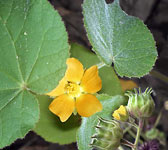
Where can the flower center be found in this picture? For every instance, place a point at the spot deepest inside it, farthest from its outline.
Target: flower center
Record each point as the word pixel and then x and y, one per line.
pixel 73 89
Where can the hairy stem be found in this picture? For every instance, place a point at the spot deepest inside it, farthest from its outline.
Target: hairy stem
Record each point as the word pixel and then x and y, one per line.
pixel 141 121
pixel 158 119
pixel 127 143
pixel 100 65
pixel 134 136
pixel 159 75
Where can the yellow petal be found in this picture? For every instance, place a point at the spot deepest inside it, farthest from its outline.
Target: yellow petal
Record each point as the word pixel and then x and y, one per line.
pixel 74 70
pixel 127 84
pixel 59 90
pixel 91 82
pixel 121 114
pixel 122 110
pixel 62 106
pixel 87 105
pixel 116 115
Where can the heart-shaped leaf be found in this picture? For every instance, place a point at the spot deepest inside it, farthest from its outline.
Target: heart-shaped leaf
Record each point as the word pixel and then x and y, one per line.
pixel 33 51
pixel 118 38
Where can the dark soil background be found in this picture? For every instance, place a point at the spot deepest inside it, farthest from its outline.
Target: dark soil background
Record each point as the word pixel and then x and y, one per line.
pixel 154 13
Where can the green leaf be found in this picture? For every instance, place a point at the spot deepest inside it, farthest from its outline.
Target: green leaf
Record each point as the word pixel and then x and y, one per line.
pixel 87 128
pixel 118 38
pixel 110 81
pixel 34 48
pixel 17 116
pixel 51 128
pixel 84 55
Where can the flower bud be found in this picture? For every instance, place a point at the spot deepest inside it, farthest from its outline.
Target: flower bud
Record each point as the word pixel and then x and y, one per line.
pixel 155 134
pixel 152 133
pixel 140 105
pixel 108 135
pixel 121 114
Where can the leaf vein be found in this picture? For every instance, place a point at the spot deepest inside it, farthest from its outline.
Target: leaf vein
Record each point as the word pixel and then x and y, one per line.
pixel 9 11
pixel 9 89
pixel 51 54
pixel 11 77
pixel 36 60
pixel 17 93
pixel 46 75
pixel 130 50
pixel 122 58
pixel 12 42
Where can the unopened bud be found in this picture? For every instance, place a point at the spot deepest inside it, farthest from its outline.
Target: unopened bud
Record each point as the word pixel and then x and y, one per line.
pixel 155 134
pixel 121 114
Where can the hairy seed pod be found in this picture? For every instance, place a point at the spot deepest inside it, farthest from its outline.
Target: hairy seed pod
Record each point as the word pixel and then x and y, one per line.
pixel 155 134
pixel 140 105
pixel 108 135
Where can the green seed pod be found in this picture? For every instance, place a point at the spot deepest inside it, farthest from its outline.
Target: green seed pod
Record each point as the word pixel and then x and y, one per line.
pixel 152 133
pixel 140 105
pixel 155 134
pixel 108 135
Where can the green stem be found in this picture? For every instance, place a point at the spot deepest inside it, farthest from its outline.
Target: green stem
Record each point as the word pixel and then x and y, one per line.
pixel 100 65
pixel 137 136
pixel 132 133
pixel 31 91
pixel 138 133
pixel 132 124
pixel 121 148
pixel 134 136
pixel 128 129
pixel 158 119
pixel 127 143
pixel 159 75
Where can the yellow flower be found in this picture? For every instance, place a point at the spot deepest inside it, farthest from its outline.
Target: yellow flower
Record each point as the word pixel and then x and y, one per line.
pixel 121 113
pixel 75 91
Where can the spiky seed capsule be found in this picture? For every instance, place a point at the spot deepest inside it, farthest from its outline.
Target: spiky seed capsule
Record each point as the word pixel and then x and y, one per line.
pixel 140 105
pixel 108 135
pixel 155 134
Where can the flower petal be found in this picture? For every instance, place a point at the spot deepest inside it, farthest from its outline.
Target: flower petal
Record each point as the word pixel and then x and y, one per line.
pixel 116 115
pixel 59 90
pixel 91 81
pixel 87 105
pixel 62 106
pixel 122 110
pixel 74 70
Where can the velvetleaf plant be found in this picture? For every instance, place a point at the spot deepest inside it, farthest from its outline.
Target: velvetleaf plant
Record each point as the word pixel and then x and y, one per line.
pixel 122 40
pixel 33 53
